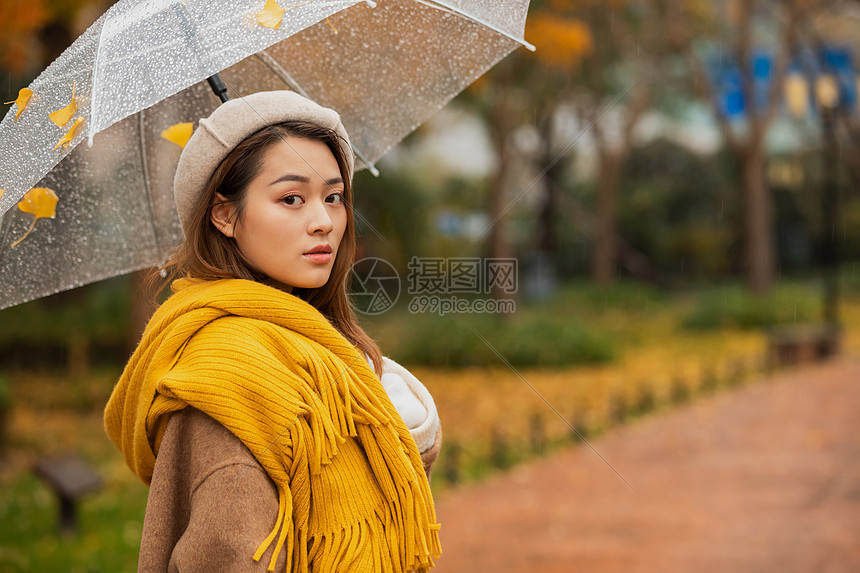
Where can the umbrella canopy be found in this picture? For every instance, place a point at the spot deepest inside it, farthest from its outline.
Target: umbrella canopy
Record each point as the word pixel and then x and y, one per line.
pixel 80 213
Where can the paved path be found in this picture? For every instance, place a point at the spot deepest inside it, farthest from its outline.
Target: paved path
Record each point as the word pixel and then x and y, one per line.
pixel 758 479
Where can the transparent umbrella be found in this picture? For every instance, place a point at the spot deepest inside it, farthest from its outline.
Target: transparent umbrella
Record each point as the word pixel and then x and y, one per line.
pixel 73 214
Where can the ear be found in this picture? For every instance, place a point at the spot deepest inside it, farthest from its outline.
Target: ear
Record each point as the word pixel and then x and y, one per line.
pixel 222 215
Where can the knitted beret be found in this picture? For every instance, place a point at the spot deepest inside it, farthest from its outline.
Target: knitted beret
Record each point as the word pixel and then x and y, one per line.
pixel 229 125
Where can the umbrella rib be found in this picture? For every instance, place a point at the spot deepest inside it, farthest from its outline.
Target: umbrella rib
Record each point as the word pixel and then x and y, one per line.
pixel 147 186
pixel 285 76
pixel 279 71
pixel 436 5
pixel 91 124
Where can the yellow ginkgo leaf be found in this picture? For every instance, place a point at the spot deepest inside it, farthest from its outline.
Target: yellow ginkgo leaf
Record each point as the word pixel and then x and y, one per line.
pixel 40 202
pixel 179 133
pixel 70 135
pixel 62 116
pixel 2 192
pixel 24 96
pixel 271 15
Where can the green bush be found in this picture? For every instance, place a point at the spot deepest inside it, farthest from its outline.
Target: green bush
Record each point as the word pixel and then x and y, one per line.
pixel 621 295
pixel 542 341
pixel 470 340
pixel 676 208
pixel 730 307
pixel 437 341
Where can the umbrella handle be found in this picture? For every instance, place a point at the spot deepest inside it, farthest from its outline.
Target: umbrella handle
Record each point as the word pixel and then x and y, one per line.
pixel 218 87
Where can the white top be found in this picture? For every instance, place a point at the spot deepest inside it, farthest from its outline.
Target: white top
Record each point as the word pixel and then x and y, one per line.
pixel 412 401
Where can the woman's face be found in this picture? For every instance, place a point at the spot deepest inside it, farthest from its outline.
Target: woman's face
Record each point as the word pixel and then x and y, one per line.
pixel 294 215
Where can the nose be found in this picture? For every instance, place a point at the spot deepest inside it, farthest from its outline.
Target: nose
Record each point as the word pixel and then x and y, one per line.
pixel 319 221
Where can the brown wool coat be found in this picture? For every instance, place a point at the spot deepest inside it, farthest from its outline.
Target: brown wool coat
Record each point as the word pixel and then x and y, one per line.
pixel 210 503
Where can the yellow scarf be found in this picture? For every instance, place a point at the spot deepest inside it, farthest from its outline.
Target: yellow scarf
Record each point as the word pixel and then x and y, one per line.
pixel 270 368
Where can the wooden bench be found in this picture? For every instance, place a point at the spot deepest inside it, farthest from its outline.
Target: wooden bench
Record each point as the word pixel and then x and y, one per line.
pixel 70 478
pixel 789 345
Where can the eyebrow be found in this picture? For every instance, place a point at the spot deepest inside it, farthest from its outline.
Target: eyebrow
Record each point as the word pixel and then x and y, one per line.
pixel 303 179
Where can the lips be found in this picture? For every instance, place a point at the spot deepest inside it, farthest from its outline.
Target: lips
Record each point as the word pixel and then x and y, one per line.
pixel 319 254
pixel 320 250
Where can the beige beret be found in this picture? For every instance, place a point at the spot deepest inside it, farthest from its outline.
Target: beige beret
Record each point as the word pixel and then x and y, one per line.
pixel 229 125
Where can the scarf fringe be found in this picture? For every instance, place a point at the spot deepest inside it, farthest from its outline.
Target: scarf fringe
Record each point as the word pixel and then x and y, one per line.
pixel 415 536
pixel 365 545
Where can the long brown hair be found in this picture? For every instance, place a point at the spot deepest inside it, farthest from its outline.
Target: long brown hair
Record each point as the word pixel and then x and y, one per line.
pixel 207 254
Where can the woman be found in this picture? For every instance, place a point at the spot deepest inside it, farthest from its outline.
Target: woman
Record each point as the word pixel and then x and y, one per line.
pixel 251 405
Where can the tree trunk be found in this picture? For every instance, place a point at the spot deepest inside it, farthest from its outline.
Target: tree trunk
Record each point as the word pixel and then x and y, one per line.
pixel 760 252
pixel 547 238
pixel 498 240
pixel 500 130
pixel 605 262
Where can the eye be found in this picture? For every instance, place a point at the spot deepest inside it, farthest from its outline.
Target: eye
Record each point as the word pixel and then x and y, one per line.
pixel 335 199
pixel 293 200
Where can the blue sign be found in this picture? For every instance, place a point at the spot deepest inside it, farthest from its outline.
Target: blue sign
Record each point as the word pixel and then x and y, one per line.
pixel 727 78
